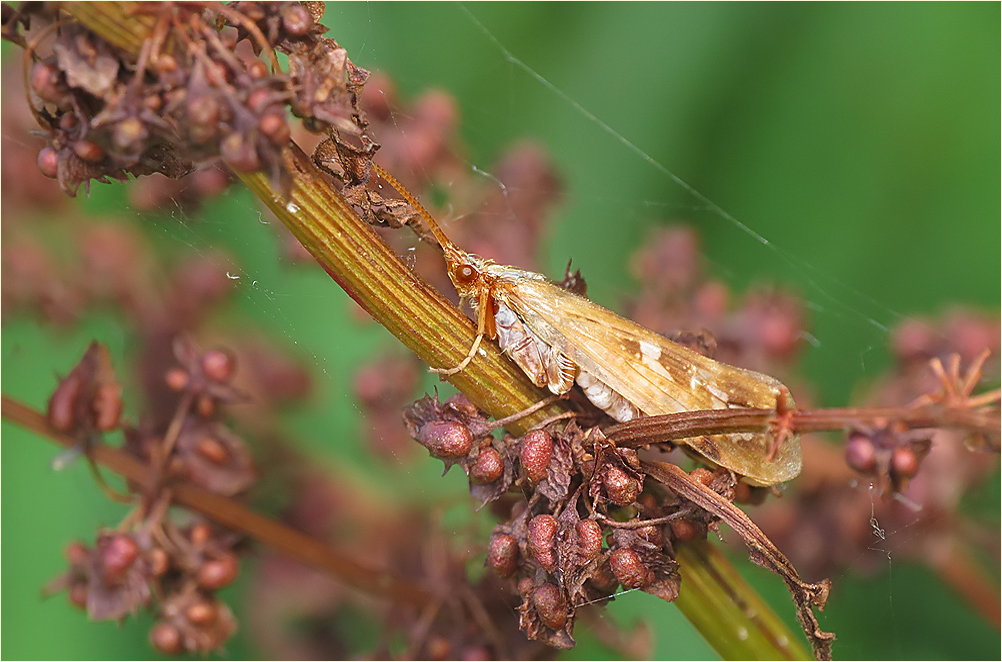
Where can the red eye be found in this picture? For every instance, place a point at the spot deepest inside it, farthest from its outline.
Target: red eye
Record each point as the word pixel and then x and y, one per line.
pixel 465 274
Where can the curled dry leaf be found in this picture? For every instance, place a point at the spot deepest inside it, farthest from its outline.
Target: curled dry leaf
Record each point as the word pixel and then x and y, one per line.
pixel 763 551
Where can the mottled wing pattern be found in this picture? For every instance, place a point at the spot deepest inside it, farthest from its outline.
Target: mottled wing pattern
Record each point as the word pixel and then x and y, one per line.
pixel 660 376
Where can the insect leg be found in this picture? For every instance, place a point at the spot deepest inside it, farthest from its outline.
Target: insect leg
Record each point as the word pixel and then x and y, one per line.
pixel 483 309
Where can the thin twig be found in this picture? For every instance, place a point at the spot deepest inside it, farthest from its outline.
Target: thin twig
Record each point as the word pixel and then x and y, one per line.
pixel 672 427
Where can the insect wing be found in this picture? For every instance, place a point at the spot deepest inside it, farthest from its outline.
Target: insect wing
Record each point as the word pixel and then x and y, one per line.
pixel 657 375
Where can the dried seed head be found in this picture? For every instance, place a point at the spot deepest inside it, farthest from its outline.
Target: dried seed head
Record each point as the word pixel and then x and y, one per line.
pixel 107 406
pixel 589 539
pixel 159 561
pixel 913 340
pixel 116 559
pixel 200 534
pixel 535 454
pixel 860 453
pixel 202 612
pixel 275 128
pixel 257 69
pixel 203 118
pixel 683 529
pixel 904 462
pixel 502 556
pixel 550 605
pixel 438 648
pixel 153 102
pixel 296 19
pixel 622 488
pixel 629 568
pixel 217 73
pixel 219 572
pixel 167 639
pixel 446 439
pixel 743 492
pixel 165 64
pixel 240 153
pixel 258 100
pixel 651 534
pixel 177 379
pixel 460 404
pixel 88 151
pixel 488 467
pixel 47 83
pixel 48 162
pixel 62 404
pixel 218 365
pixel 704 476
pixel 76 553
pixel 542 540
pixel 68 121
pixel 205 406
pixel 603 579
pixel 77 595
pixel 525 587
pixel 129 134
pixel 212 450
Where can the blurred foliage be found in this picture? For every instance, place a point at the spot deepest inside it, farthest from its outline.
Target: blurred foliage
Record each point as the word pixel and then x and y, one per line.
pixel 861 140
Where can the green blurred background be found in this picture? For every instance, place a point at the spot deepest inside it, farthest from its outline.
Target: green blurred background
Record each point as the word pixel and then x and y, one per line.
pixel 861 140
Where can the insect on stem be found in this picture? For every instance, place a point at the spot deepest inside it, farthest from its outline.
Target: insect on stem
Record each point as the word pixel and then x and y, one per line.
pixel 560 339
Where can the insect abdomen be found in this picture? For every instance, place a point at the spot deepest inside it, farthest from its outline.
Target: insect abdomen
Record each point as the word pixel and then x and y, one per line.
pixel 545 365
pixel 606 399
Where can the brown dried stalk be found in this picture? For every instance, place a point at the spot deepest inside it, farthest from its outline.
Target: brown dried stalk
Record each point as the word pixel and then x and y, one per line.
pixel 670 427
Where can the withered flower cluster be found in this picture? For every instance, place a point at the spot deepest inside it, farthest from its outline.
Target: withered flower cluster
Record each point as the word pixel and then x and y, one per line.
pixel 586 523
pixel 151 560
pixel 198 89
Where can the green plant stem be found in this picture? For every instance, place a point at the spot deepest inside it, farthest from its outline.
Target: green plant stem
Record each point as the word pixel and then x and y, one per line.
pixel 735 623
pixel 375 277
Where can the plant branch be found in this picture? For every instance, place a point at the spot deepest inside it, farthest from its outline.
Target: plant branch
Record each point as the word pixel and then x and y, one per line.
pixel 671 427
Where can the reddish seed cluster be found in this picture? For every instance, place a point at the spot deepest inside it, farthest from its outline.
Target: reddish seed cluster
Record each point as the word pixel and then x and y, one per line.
pixel 89 400
pixel 291 606
pixel 887 452
pixel 204 451
pixel 174 572
pixel 565 544
pixel 106 264
pixel 199 91
pixel 456 432
pixel 154 564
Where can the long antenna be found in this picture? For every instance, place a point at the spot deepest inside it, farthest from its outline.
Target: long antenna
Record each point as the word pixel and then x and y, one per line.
pixel 443 240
